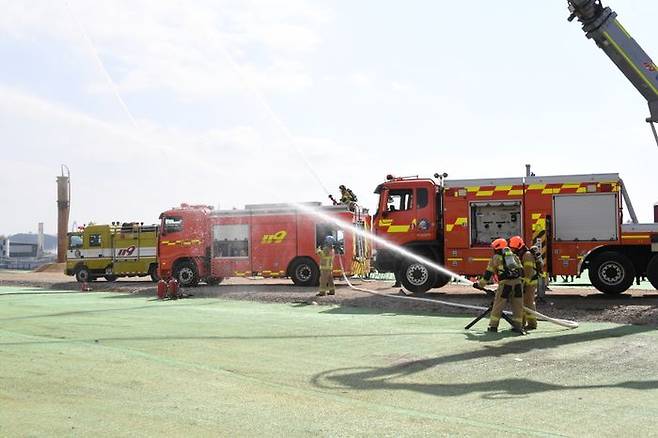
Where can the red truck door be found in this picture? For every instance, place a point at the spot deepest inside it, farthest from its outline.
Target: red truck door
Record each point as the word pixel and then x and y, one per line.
pixel 407 214
pixel 424 222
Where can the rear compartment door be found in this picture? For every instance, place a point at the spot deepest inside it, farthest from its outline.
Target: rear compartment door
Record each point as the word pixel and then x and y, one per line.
pixel 231 250
pixel 592 217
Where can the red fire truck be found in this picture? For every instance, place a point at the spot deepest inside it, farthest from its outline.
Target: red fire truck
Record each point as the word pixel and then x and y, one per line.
pixel 198 243
pixel 576 220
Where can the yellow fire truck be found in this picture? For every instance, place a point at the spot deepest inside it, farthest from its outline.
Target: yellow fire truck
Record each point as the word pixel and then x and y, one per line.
pixel 113 251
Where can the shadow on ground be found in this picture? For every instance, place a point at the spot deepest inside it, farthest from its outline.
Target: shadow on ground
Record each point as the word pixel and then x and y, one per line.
pixel 384 378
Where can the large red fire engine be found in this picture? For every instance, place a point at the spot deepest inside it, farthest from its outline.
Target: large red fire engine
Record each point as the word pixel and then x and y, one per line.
pixel 576 220
pixel 198 243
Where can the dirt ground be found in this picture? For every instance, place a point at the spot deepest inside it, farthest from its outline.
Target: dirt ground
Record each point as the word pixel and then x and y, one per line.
pixel 580 303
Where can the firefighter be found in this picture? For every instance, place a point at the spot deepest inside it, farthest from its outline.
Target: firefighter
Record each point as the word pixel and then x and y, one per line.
pixel 347 196
pixel 326 253
pixel 507 267
pixel 532 267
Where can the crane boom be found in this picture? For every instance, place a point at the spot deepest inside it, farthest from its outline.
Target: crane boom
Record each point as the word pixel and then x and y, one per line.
pixel 600 24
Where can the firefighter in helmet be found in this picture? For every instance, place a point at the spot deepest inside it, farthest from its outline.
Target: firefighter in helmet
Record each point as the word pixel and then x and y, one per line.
pixel 507 267
pixel 532 268
pixel 347 196
pixel 326 253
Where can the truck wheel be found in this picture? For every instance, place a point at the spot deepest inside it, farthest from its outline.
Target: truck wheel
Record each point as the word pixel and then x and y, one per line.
pixel 652 271
pixel 417 277
pixel 186 274
pixel 304 272
pixel 214 281
pixel 111 278
pixel 441 280
pixel 153 272
pixel 611 272
pixel 83 275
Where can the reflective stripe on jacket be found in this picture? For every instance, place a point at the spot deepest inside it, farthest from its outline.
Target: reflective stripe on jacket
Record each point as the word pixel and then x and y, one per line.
pixel 529 268
pixel 326 258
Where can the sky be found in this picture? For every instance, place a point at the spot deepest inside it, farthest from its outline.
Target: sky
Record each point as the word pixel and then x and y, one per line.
pixel 151 103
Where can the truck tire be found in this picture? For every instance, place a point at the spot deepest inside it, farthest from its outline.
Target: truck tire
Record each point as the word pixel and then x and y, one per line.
pixel 417 277
pixel 153 272
pixel 214 281
pixel 652 271
pixel 441 280
pixel 611 272
pixel 83 275
pixel 186 274
pixel 304 272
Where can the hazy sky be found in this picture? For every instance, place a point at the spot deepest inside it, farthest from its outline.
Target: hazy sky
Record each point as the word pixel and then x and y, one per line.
pixel 154 103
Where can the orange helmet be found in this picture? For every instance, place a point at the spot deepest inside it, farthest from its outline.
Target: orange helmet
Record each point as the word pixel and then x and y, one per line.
pixel 516 242
pixel 499 244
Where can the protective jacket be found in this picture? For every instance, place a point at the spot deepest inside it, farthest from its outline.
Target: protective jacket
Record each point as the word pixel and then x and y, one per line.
pixel 530 274
pixel 505 265
pixel 326 258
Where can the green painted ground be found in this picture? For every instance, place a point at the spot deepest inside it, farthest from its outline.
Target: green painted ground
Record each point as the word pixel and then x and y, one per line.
pixel 129 366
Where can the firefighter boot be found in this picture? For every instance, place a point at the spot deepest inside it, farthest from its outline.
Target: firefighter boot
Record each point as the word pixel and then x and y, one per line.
pixel 325 285
pixel 330 284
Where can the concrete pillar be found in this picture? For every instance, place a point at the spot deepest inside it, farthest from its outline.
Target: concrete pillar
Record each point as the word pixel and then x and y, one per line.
pixel 63 210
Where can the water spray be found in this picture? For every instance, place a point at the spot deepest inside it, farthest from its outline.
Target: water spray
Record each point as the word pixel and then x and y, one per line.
pixel 381 241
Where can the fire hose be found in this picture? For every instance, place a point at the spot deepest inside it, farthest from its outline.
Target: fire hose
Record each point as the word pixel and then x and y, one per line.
pixel 561 322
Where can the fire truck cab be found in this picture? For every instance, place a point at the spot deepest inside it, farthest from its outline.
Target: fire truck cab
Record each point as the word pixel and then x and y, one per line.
pixel 575 220
pixel 198 243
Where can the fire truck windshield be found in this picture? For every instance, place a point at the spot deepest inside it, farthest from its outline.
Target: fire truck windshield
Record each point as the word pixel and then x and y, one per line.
pixel 75 241
pixel 172 224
